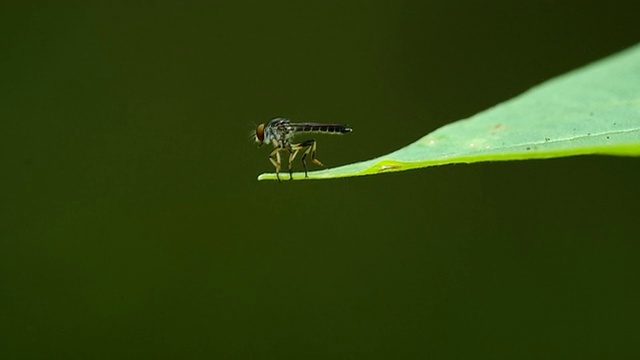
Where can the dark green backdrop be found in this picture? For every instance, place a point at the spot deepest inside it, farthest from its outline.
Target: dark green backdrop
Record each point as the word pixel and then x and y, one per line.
pixel 132 224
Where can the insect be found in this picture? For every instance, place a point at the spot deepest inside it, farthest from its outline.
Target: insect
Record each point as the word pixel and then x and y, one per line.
pixel 280 132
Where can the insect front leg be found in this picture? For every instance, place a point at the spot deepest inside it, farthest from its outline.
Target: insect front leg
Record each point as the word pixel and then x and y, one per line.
pixel 274 157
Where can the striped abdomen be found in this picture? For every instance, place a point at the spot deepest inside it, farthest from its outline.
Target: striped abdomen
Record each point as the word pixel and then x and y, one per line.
pixel 321 128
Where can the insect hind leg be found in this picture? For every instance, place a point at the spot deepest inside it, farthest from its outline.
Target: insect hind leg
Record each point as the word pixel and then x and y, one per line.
pixel 310 146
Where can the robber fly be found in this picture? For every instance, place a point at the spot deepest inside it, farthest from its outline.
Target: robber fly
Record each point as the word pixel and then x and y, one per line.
pixel 280 132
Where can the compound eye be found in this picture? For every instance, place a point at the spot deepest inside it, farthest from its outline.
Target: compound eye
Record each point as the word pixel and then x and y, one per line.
pixel 260 133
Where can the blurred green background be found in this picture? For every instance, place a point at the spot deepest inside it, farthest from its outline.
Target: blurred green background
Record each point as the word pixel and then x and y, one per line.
pixel 132 224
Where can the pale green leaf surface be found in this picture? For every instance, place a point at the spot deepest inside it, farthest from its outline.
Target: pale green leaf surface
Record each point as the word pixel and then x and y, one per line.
pixel 591 110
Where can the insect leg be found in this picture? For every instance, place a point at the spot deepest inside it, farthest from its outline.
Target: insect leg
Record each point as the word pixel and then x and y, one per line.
pixel 274 157
pixel 294 149
pixel 313 155
pixel 310 146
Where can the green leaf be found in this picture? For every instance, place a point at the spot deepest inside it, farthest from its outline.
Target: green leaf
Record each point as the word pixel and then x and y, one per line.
pixel 591 110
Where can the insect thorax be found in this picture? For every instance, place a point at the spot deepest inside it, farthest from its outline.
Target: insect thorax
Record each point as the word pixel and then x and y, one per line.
pixel 279 132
